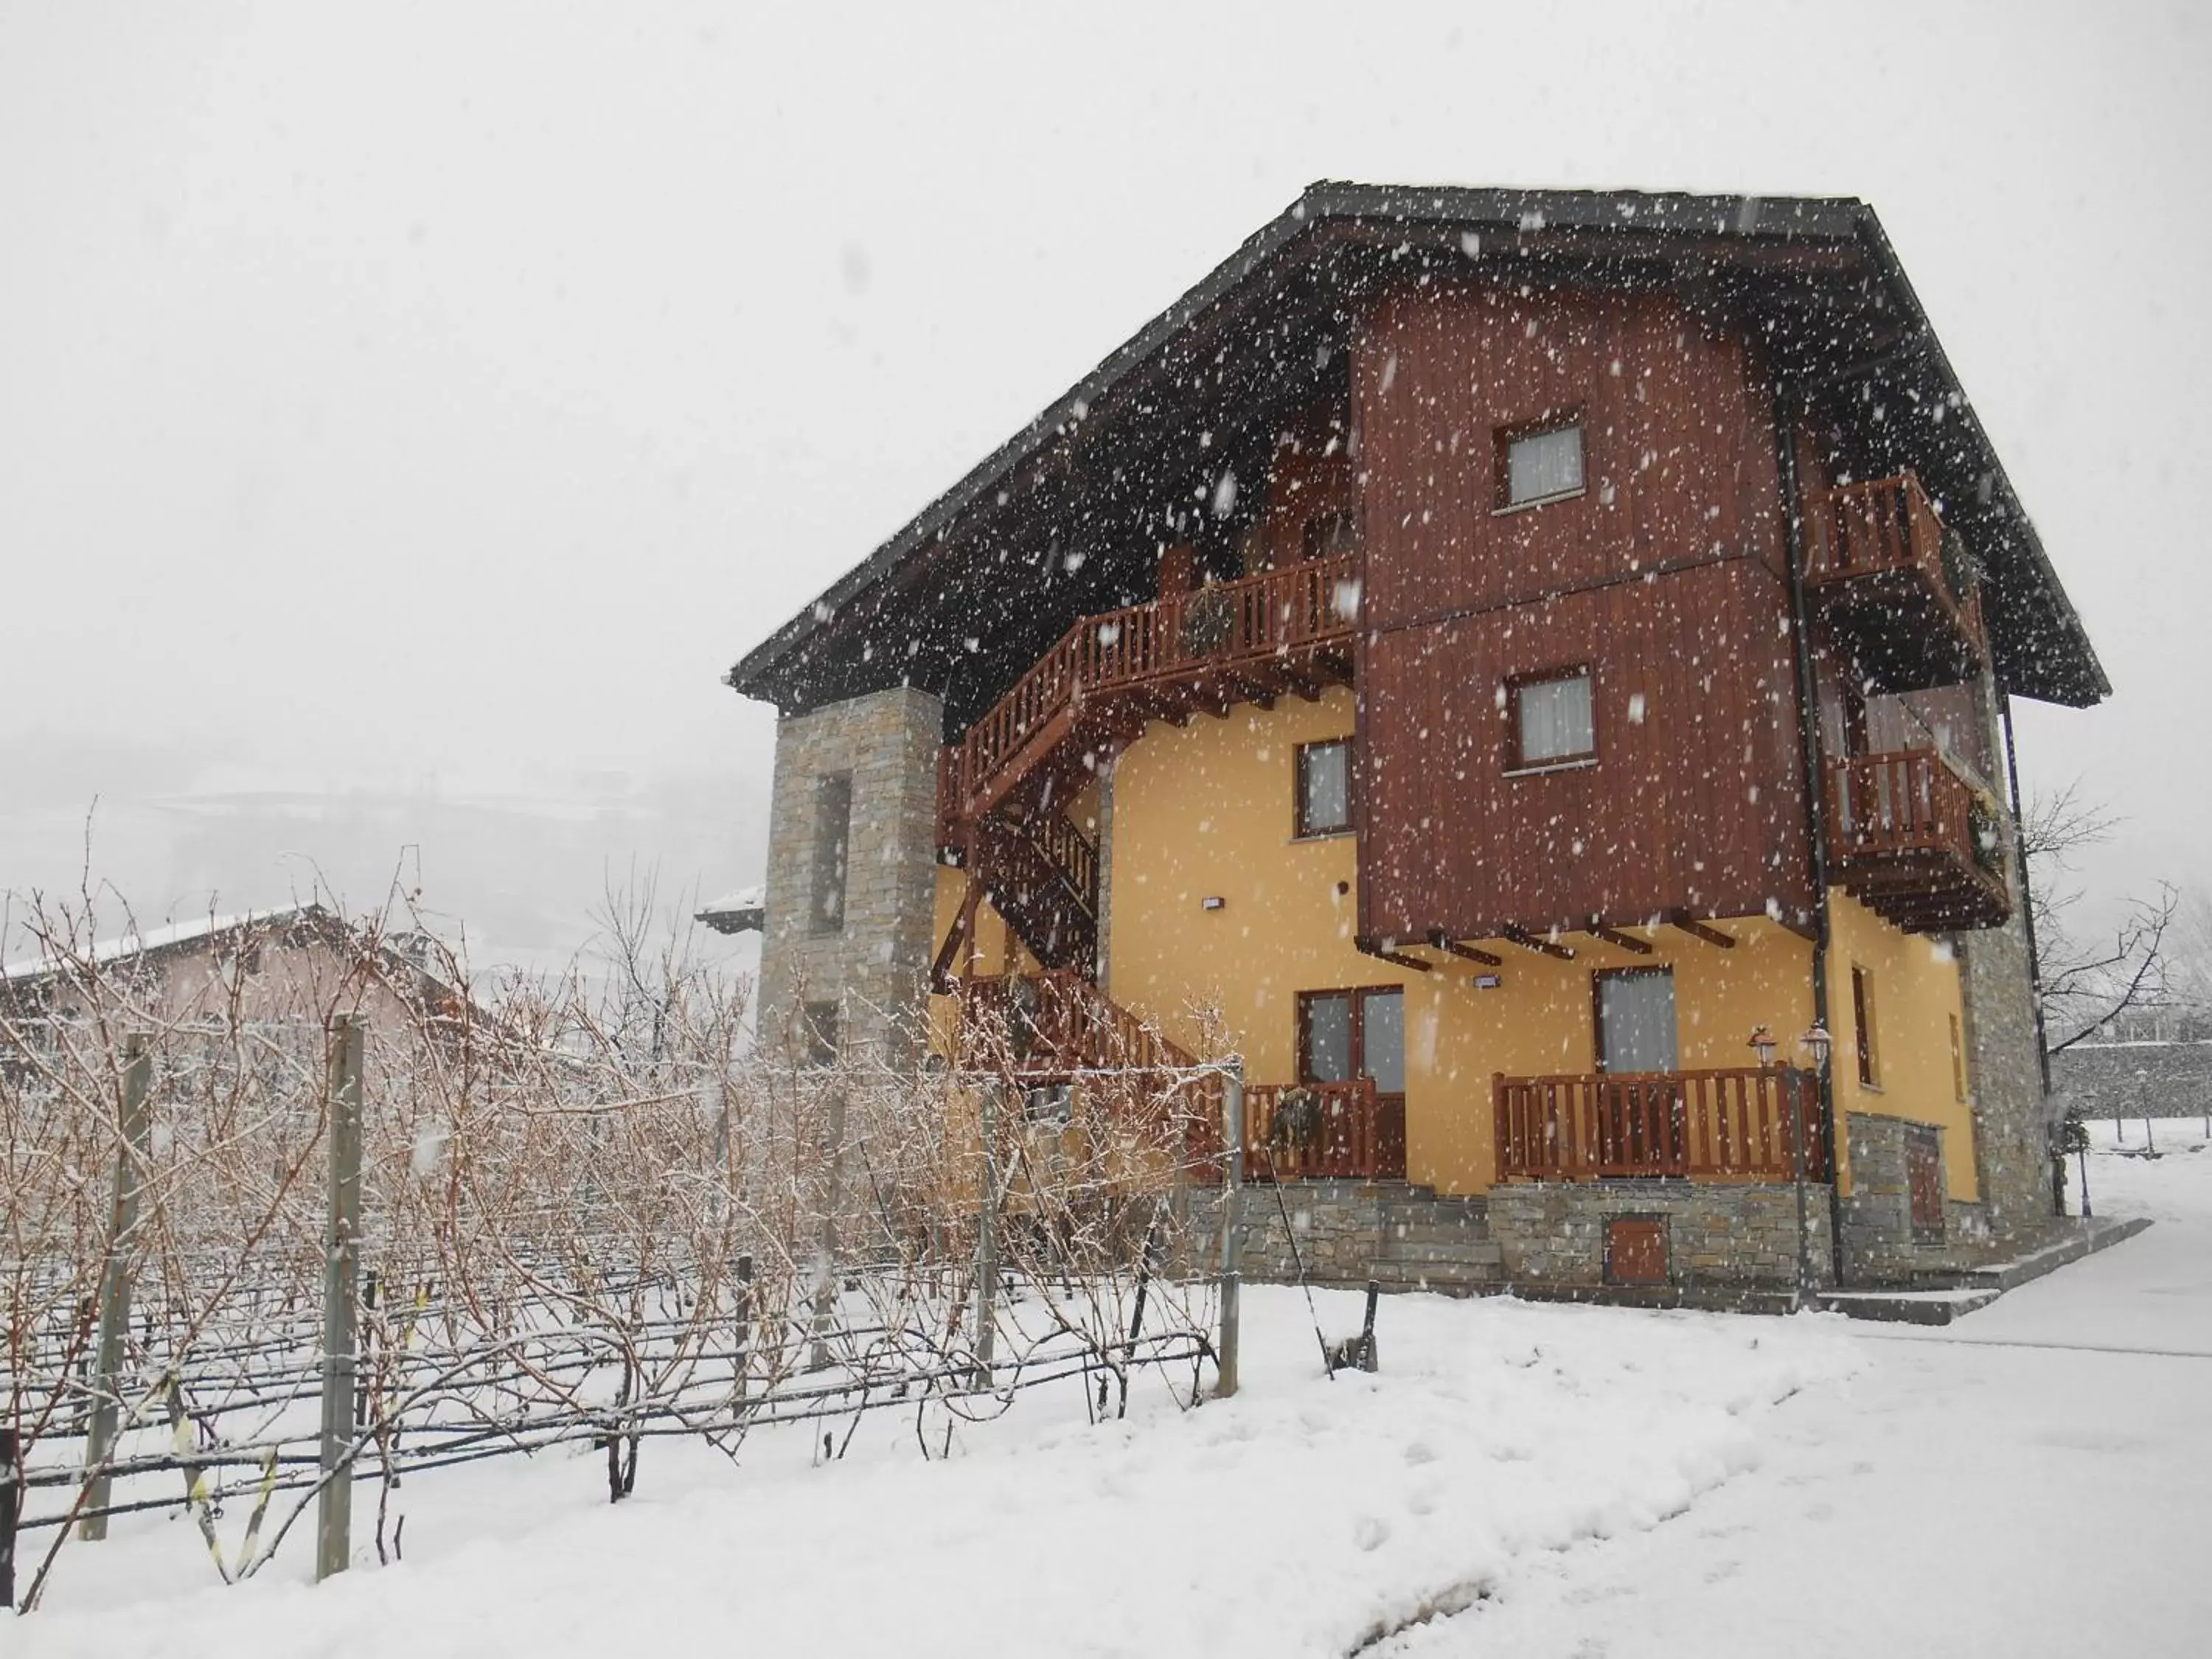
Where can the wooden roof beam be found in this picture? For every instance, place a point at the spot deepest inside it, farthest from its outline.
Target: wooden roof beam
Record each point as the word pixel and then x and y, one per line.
pixel 1618 939
pixel 1528 941
pixel 1698 930
pixel 1443 941
pixel 1387 950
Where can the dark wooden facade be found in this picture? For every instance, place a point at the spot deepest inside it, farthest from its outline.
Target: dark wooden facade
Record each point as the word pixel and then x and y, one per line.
pixel 1664 578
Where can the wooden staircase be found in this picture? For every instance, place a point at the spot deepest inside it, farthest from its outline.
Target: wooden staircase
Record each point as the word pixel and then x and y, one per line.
pixel 1002 791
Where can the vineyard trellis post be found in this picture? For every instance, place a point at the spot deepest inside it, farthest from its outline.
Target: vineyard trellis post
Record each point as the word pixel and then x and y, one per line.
pixel 986 1238
pixel 341 1268
pixel 1232 1188
pixel 11 1510
pixel 825 1294
pixel 137 1056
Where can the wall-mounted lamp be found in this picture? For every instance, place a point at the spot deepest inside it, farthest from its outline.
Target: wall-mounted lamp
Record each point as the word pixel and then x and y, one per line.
pixel 1488 982
pixel 1212 901
pixel 1763 1044
pixel 1816 1043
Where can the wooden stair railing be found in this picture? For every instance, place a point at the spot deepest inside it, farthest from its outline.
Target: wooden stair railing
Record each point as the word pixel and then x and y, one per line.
pixel 1274 617
pixel 1059 1022
pixel 1045 887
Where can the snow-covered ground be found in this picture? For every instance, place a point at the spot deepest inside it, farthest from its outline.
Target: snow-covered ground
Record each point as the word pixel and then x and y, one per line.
pixel 1517 1479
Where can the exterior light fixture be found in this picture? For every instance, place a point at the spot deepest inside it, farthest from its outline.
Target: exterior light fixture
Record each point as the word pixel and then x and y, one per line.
pixel 1763 1044
pixel 1212 901
pixel 1816 1043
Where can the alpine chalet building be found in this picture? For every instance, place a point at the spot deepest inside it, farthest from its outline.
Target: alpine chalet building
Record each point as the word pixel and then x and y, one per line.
pixel 1529 659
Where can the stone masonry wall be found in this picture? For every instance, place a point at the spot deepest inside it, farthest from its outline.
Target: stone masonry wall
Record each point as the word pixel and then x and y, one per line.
pixel 875 966
pixel 2005 1078
pixel 1734 1234
pixel 1338 1226
pixel 1879 1247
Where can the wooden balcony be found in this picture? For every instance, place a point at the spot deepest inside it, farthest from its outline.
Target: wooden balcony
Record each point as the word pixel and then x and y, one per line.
pixel 1348 1148
pixel 1731 1125
pixel 1209 649
pixel 1894 587
pixel 1915 840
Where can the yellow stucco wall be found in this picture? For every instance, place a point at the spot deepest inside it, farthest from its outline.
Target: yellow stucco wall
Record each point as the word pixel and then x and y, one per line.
pixel 1916 999
pixel 1207 811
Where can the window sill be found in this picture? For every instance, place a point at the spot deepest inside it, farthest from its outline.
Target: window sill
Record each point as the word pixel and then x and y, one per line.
pixel 1571 764
pixel 1345 834
pixel 1511 508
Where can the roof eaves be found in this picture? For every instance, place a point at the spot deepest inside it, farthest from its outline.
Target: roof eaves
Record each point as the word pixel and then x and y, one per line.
pixel 2049 590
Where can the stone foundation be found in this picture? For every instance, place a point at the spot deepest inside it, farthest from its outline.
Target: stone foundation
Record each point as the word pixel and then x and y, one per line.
pixel 1552 1235
pixel 1879 1247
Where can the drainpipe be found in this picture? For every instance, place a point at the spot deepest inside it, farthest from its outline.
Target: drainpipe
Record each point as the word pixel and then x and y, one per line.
pixel 2035 969
pixel 2027 902
pixel 1786 407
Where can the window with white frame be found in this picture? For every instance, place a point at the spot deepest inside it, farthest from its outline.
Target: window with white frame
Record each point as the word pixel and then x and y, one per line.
pixel 1552 720
pixel 1544 465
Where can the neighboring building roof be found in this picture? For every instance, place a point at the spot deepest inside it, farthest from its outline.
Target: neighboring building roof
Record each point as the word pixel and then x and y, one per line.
pixel 167 939
pixel 742 912
pixel 1835 307
pixel 400 951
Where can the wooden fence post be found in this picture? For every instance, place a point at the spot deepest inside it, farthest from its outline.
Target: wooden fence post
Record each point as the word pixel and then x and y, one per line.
pixel 115 1281
pixel 1232 1188
pixel 341 1268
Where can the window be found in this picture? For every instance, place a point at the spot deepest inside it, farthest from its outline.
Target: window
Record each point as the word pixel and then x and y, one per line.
pixel 833 831
pixel 1343 1035
pixel 1347 1034
pixel 1958 1062
pixel 1325 1036
pixel 1552 720
pixel 1862 1019
pixel 1324 788
pixel 1635 1013
pixel 1538 466
pixel 1328 534
pixel 819 1033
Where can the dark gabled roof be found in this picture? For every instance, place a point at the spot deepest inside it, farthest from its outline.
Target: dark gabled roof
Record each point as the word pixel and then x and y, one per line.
pixel 1866 328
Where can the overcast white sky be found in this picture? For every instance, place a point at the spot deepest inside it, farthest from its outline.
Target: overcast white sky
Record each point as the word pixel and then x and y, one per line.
pixel 407 413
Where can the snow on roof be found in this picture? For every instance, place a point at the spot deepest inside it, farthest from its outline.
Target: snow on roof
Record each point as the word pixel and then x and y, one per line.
pixel 139 942
pixel 745 898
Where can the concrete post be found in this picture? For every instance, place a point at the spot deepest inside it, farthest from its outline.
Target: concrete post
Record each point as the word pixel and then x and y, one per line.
pixel 115 1279
pixel 341 1274
pixel 1232 1186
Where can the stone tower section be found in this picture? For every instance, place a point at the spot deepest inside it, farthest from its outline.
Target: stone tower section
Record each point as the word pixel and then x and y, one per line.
pixel 850 876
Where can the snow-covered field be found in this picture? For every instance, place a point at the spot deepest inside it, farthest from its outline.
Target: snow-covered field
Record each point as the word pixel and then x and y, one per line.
pixel 1517 1479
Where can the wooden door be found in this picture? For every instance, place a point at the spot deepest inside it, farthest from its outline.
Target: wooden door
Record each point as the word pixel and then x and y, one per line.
pixel 1923 1180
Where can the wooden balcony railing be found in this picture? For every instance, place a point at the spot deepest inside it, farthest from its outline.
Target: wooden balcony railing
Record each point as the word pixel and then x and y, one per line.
pixel 1731 1125
pixel 1346 1149
pixel 1911 836
pixel 1214 630
pixel 1899 584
